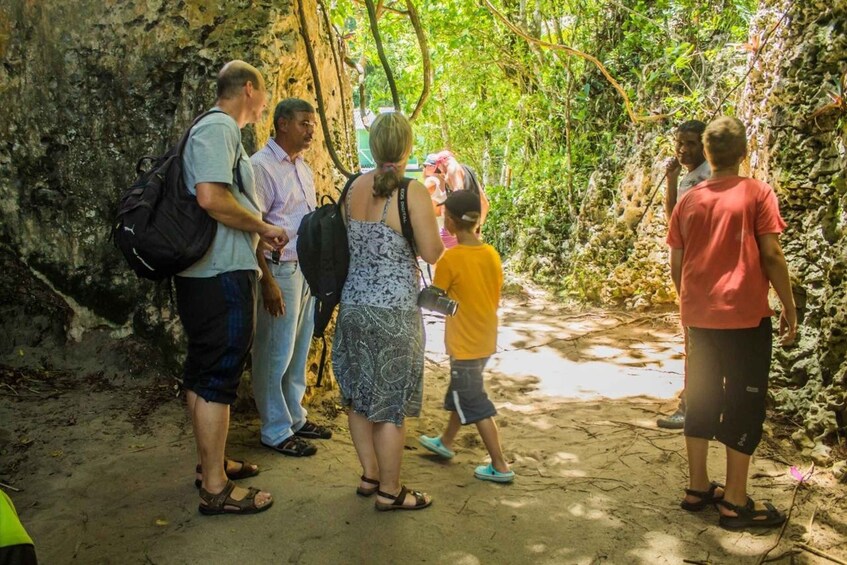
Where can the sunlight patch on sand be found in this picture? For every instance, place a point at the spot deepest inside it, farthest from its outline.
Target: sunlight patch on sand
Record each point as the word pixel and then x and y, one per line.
pixel 560 377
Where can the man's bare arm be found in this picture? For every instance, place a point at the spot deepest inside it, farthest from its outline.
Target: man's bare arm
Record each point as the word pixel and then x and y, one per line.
pixel 221 205
pixel 672 171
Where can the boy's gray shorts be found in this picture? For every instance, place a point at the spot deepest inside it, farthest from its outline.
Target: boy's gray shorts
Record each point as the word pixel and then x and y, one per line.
pixel 466 395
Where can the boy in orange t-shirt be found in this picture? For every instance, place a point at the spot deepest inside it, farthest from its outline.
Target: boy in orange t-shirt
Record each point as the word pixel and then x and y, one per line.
pixel 471 274
pixel 725 252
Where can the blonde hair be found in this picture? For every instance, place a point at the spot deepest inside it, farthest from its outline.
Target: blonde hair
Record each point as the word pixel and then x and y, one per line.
pixel 391 144
pixel 725 142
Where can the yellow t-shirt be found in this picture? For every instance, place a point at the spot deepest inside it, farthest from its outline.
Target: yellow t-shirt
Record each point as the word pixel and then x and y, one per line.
pixel 472 276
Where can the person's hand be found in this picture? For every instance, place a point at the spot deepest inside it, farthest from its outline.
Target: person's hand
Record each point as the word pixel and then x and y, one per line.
pixel 787 327
pixel 272 297
pixel 274 237
pixel 673 168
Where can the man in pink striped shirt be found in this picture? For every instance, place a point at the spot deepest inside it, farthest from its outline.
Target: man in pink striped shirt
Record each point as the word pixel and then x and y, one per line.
pixel 285 319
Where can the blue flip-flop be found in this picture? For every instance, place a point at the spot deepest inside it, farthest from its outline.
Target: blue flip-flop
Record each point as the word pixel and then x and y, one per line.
pixel 489 473
pixel 434 444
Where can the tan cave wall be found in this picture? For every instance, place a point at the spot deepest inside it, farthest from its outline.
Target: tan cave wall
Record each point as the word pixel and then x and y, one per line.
pixel 800 147
pixel 89 86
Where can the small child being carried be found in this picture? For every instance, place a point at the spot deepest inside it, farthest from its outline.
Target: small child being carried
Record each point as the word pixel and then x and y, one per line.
pixel 471 274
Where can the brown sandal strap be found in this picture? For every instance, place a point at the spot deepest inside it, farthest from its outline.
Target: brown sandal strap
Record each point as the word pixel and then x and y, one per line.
pixel 219 500
pixel 364 479
pixel 400 498
pixel 222 500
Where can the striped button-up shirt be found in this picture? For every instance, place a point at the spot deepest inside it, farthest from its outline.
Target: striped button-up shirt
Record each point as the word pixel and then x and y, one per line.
pixel 285 190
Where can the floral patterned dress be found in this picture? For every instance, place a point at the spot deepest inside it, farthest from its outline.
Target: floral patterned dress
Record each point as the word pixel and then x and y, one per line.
pixel 378 349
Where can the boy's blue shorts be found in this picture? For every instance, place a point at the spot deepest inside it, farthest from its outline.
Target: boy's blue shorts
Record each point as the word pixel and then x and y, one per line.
pixel 466 395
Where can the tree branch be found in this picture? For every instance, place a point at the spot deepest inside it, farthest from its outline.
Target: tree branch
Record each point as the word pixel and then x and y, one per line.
pixel 427 64
pixel 389 75
pixel 310 54
pixel 380 8
pixel 571 51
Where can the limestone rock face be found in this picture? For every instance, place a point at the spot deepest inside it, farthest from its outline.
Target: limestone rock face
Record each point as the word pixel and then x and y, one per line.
pixel 799 145
pixel 88 87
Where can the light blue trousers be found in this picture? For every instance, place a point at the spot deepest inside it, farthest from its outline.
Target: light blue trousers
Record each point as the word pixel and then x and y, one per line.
pixel 280 351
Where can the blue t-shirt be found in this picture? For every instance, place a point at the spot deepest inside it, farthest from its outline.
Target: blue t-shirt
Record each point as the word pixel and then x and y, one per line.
pixel 209 157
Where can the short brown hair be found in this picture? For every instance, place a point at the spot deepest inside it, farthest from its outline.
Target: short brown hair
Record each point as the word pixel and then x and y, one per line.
pixel 234 76
pixel 462 224
pixel 725 142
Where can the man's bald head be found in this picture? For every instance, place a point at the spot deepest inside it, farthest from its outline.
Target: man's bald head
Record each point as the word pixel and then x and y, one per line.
pixel 234 76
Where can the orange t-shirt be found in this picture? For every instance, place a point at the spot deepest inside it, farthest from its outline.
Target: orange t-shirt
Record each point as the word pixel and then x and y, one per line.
pixel 724 285
pixel 472 276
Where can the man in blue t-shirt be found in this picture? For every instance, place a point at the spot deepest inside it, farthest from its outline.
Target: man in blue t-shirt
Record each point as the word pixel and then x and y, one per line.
pixel 216 297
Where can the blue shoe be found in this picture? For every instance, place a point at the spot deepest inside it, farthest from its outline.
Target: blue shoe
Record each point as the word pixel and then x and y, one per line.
pixel 489 473
pixel 675 421
pixel 434 444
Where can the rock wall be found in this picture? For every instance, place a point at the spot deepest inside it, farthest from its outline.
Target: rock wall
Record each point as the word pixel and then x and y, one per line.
pixel 89 86
pixel 798 142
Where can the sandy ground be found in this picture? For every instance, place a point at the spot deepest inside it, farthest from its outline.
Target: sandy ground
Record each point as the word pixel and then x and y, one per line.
pixel 97 442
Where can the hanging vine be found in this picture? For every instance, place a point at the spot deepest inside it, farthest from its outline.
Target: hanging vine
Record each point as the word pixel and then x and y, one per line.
pixel 310 54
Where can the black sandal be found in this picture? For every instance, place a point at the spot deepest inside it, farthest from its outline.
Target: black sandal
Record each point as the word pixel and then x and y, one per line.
pixel 247 470
pixel 747 516
pixel 420 500
pixel 223 503
pixel 295 446
pixel 707 498
pixel 362 491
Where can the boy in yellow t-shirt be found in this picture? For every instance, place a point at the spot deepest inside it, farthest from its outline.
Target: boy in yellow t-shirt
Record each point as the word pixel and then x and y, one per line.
pixel 471 274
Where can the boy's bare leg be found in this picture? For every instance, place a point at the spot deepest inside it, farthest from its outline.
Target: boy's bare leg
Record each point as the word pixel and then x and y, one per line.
pixel 737 468
pixel 448 436
pixel 491 438
pixel 362 432
pixel 698 473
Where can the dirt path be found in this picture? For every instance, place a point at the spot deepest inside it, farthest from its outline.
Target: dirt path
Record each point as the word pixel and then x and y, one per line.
pixel 104 462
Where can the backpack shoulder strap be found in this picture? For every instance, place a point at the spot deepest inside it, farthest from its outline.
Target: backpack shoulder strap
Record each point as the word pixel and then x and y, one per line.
pixel 236 169
pixel 342 200
pixel 472 181
pixel 196 121
pixel 406 225
pixel 403 209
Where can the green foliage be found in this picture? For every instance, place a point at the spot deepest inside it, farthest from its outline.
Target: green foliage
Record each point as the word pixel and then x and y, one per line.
pixel 551 119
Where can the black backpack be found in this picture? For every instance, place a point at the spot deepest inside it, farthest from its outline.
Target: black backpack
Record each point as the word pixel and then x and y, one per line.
pixel 324 256
pixel 472 181
pixel 160 228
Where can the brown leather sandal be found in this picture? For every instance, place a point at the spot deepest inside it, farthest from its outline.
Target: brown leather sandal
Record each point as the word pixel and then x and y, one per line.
pixel 362 491
pixel 247 470
pixel 223 503
pixel 420 500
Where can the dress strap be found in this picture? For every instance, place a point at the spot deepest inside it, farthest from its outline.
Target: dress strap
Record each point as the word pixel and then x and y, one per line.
pixel 385 208
pixel 346 202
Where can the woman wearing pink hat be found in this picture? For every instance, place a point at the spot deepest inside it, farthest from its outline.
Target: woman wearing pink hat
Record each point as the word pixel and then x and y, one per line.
pixel 454 176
